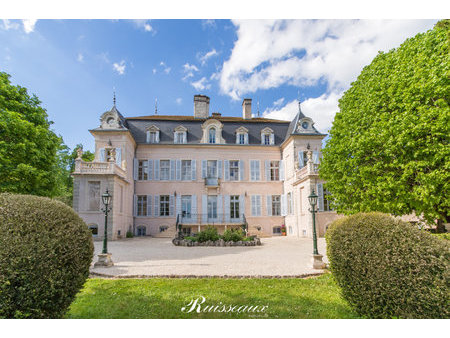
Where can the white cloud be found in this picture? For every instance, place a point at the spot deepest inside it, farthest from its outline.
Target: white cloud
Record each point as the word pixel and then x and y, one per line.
pixel 9 24
pixel 321 109
pixel 179 101
pixel 145 25
pixel 204 58
pixel 80 57
pixel 201 84
pixel 165 68
pixel 119 67
pixel 154 70
pixel 279 102
pixel 270 53
pixel 210 23
pixel 189 70
pixel 28 25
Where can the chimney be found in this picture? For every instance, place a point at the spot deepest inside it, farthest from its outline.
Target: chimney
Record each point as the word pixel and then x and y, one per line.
pixel 201 106
pixel 247 109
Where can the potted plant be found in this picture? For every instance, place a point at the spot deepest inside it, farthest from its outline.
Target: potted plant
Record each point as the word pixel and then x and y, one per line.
pixel 283 230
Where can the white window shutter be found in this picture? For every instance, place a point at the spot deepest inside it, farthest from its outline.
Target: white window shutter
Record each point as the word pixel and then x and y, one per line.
pixel 134 205
pixel 246 138
pixel 194 169
pixel 156 205
pixel 269 205
pixel 258 205
pixel 262 138
pixel 316 157
pixel 272 138
pixel 157 136
pixel 267 170
pixel 194 207
pixel 172 170
pixel 241 170
pixel 320 196
pixel 178 170
pixel 150 169
pixel 258 170
pixel 237 138
pixel 171 202
pixel 300 159
pixel 119 157
pixel 241 205
pixel 226 168
pixel 227 208
pixel 283 205
pixel 203 168
pixel 175 137
pixel 149 206
pixel 185 137
pixel 253 204
pixel 102 155
pixel 281 170
pixel 156 170
pixel 219 169
pixel 135 169
pixel 148 136
pixel 204 208
pixel 178 206
pixel 219 209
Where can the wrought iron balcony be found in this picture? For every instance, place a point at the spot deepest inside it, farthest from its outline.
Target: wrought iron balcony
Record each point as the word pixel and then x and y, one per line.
pixel 212 182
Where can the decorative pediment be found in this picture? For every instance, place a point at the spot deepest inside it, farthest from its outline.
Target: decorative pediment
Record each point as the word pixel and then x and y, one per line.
pixel 152 128
pixel 110 120
pixel 180 128
pixel 305 125
pixel 212 124
pixel 241 130
pixel 267 130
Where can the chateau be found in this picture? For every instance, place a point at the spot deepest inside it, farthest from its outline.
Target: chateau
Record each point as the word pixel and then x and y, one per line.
pixel 165 171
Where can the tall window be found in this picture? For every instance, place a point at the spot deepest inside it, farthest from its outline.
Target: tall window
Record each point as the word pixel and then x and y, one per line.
pixel 234 207
pixel 164 205
pixel 153 137
pixel 266 139
pixel 234 170
pixel 164 166
pixel 256 205
pixel 94 196
pixel 212 207
pixel 143 170
pixel 186 206
pixel 212 135
pixel 276 205
pixel 179 137
pixel 274 170
pixel 254 170
pixel 241 138
pixel 142 205
pixel 289 203
pixel 211 169
pixel 305 158
pixel 186 172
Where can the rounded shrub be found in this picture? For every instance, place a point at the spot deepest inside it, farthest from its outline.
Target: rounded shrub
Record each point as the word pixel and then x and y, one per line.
pixel 45 253
pixel 209 234
pixel 387 268
pixel 234 235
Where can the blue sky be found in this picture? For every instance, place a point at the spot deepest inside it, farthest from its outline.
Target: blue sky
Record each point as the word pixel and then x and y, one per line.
pixel 73 65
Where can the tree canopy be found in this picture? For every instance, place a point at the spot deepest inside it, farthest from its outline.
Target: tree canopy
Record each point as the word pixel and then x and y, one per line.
pixel 389 145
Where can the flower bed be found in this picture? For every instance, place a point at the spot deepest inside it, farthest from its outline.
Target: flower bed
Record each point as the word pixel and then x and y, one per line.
pixel 219 242
pixel 211 237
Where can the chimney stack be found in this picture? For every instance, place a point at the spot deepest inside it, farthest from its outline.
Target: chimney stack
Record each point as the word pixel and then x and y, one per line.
pixel 247 109
pixel 201 106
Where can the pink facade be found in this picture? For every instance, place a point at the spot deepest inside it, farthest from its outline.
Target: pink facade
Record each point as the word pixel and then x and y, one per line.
pixel 202 170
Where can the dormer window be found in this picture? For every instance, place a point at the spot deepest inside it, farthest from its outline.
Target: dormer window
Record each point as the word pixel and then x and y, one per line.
pixel 267 136
pixel 212 135
pixel 180 135
pixel 153 134
pixel 242 135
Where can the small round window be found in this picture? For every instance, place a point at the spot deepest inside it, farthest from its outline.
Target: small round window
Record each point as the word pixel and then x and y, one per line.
pixel 305 125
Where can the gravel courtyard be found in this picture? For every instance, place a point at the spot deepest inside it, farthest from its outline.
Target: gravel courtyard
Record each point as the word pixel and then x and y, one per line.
pixel 143 256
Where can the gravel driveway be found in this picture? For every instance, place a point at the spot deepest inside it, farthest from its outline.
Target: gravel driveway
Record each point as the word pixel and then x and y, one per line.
pixel 144 256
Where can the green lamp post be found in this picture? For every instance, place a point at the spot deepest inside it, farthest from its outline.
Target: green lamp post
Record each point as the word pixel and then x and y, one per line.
pixel 317 258
pixel 104 259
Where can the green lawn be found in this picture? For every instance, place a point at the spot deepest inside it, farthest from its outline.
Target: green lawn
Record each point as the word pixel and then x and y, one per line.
pixel 164 297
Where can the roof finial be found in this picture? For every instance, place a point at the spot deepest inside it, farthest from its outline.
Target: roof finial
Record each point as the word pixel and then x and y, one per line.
pixel 114 96
pixel 156 106
pixel 299 103
pixel 257 104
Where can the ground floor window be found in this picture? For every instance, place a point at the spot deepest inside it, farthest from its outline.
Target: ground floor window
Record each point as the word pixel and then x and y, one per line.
pixel 276 205
pixel 186 206
pixel 142 205
pixel 276 230
pixel 234 207
pixel 212 207
pixel 186 231
pixel 141 231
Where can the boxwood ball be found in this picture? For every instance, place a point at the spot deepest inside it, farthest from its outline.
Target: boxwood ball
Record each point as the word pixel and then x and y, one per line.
pixel 45 253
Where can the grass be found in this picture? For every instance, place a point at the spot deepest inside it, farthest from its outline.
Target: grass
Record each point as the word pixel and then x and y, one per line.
pixel 164 297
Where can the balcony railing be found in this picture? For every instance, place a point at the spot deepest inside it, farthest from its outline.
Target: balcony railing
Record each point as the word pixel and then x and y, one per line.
pixel 212 181
pixel 82 167
pixel 308 169
pixel 212 219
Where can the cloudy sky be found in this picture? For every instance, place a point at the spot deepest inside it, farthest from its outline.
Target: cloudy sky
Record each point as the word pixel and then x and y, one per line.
pixel 73 66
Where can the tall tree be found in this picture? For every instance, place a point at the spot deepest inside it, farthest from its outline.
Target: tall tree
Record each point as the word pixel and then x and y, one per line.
pixel 389 147
pixel 28 147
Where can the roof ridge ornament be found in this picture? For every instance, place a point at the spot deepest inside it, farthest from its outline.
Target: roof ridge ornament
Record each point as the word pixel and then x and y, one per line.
pixel 156 106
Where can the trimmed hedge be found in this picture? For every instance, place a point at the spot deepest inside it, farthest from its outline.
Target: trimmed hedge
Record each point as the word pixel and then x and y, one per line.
pixel 387 268
pixel 209 234
pixel 45 253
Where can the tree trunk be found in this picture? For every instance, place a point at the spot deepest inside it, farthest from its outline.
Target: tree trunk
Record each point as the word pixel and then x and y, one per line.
pixel 440 228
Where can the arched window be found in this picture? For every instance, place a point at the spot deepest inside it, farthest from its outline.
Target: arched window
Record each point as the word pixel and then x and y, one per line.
pixel 212 135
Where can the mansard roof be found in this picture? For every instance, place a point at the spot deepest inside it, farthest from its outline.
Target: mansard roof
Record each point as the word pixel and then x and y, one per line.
pixel 293 126
pixel 166 124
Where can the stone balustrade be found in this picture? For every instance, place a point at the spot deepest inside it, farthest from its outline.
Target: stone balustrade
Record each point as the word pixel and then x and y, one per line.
pixel 82 167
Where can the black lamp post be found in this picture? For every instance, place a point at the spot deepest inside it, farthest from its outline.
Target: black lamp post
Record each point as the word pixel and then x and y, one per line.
pixel 313 202
pixel 106 199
